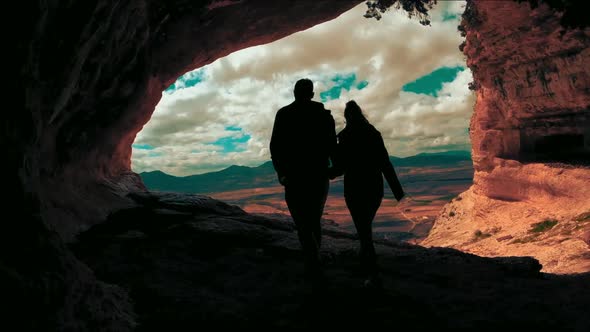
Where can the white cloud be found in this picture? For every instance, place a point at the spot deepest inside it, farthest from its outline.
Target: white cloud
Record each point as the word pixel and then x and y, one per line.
pixel 246 88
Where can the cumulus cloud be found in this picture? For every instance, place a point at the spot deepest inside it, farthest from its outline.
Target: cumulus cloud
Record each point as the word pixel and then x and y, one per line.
pixel 223 114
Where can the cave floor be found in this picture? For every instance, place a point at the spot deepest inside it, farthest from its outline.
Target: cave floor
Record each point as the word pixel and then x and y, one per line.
pixel 190 262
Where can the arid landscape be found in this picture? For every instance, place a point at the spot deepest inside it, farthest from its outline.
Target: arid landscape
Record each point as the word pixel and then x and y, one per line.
pixel 431 181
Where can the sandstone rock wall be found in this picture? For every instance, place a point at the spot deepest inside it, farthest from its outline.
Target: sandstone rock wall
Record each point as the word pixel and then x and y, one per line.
pixel 532 78
pixel 530 133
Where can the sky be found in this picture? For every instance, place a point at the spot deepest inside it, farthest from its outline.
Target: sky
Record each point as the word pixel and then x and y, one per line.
pixel 410 80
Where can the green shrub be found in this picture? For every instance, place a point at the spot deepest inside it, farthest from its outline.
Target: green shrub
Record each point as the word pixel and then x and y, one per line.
pixel 478 235
pixel 542 226
pixel 583 217
pixel 526 239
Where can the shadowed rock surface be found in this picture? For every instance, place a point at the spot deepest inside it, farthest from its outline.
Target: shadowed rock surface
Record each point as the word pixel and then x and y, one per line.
pixel 85 77
pixel 188 260
pixel 92 72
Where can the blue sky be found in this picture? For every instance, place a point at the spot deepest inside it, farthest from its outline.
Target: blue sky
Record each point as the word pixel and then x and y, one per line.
pixel 187 80
pixel 142 146
pixel 233 143
pixel 410 80
pixel 432 83
pixel 341 82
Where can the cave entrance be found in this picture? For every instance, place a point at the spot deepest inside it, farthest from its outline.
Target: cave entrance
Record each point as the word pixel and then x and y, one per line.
pixel 210 132
pixel 564 147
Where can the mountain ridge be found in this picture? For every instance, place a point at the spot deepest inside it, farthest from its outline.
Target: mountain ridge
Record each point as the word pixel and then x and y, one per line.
pixel 236 177
pixel 403 161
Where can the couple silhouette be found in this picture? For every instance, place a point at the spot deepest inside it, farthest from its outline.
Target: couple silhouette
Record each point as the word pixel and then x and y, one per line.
pixel 307 153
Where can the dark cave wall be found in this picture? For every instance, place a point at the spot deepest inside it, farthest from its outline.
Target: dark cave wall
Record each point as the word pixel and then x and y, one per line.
pixel 93 72
pixel 85 77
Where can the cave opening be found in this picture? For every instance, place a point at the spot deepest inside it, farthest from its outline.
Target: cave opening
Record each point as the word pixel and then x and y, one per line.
pixel 209 134
pixel 567 148
pixel 562 140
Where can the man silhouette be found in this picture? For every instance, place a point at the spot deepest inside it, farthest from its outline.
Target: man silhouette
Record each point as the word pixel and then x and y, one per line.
pixel 303 140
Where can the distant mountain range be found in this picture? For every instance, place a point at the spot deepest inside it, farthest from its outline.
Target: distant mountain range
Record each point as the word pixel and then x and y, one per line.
pixel 243 177
pixel 231 178
pixel 432 159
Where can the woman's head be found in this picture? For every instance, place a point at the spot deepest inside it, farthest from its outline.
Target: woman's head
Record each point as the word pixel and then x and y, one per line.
pixel 353 114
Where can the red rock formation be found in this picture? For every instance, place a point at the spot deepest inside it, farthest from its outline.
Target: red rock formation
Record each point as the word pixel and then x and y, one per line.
pixel 530 133
pixel 532 81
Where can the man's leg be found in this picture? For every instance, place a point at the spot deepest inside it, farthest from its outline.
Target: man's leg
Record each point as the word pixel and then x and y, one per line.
pixel 298 202
pixel 320 202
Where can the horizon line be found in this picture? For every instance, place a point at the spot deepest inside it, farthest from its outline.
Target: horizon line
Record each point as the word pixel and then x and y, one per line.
pixel 269 160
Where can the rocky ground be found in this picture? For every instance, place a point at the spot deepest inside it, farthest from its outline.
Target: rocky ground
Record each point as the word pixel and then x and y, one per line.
pixel 551 225
pixel 188 261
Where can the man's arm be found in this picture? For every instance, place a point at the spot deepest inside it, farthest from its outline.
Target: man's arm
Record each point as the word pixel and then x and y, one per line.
pixel 337 158
pixel 335 149
pixel 277 147
pixel 331 140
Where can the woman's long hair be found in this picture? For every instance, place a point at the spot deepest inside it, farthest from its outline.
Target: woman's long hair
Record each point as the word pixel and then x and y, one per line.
pixel 354 115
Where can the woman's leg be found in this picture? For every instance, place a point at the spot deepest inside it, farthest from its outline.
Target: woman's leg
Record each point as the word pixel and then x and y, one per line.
pixel 363 210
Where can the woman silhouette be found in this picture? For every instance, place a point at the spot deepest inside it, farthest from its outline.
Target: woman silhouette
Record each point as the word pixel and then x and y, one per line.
pixel 363 159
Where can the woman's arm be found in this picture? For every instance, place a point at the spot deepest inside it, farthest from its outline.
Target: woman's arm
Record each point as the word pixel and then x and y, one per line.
pixel 389 172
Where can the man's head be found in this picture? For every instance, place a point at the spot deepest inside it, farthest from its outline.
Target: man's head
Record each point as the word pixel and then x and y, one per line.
pixel 303 89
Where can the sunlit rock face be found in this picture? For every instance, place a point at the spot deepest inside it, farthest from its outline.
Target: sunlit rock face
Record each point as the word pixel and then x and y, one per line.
pixel 531 138
pixel 533 85
pixel 94 71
